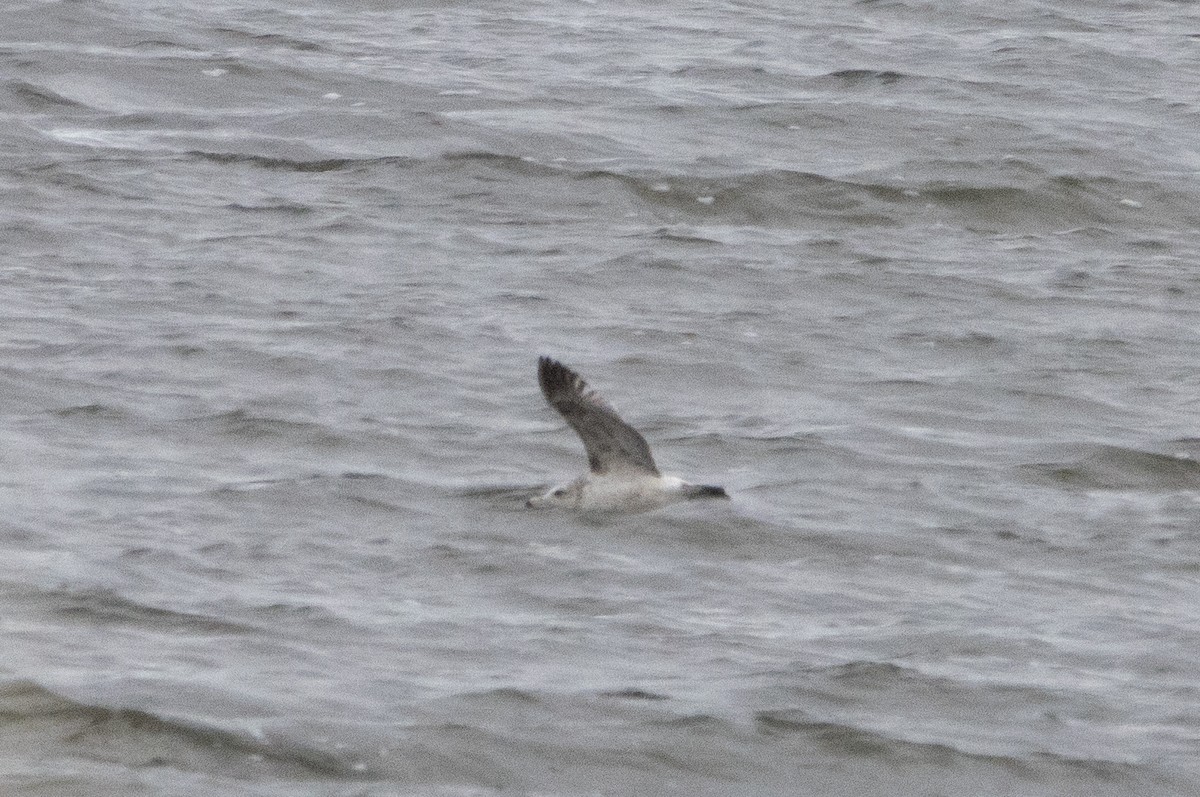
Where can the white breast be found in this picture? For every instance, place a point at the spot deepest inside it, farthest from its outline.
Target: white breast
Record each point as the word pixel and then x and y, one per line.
pixel 629 492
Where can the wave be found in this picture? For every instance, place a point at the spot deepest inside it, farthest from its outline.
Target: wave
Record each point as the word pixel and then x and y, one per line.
pixel 1017 194
pixel 93 411
pixel 246 425
pixel 522 739
pixel 861 77
pixel 302 165
pixel 505 738
pixel 40 98
pixel 107 607
pixel 1108 467
pixel 858 743
pixel 272 40
pixel 1031 199
pixel 54 724
pixel 759 196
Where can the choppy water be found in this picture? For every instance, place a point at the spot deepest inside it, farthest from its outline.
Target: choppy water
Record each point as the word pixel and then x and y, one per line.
pixel 919 284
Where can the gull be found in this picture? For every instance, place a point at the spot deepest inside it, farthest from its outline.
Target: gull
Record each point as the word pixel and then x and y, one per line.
pixel 622 476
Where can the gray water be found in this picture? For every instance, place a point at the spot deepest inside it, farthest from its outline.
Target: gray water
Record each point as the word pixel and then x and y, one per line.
pixel 918 283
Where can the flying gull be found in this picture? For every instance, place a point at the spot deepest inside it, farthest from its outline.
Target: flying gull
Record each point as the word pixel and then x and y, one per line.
pixel 623 476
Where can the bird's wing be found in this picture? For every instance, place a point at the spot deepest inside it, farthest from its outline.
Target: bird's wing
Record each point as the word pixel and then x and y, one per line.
pixel 611 444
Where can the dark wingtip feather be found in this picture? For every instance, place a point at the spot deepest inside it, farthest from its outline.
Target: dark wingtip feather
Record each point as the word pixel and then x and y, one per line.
pixel 554 377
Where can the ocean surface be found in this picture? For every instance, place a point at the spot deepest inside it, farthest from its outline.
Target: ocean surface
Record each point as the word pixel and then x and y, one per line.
pixel 918 283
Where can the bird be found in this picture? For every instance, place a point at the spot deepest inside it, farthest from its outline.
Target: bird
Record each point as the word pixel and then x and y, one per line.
pixel 622 476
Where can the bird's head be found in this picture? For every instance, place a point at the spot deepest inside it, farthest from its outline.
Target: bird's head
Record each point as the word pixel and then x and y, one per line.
pixel 565 496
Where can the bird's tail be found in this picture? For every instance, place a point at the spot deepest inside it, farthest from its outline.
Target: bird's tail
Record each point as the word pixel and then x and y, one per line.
pixel 704 491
